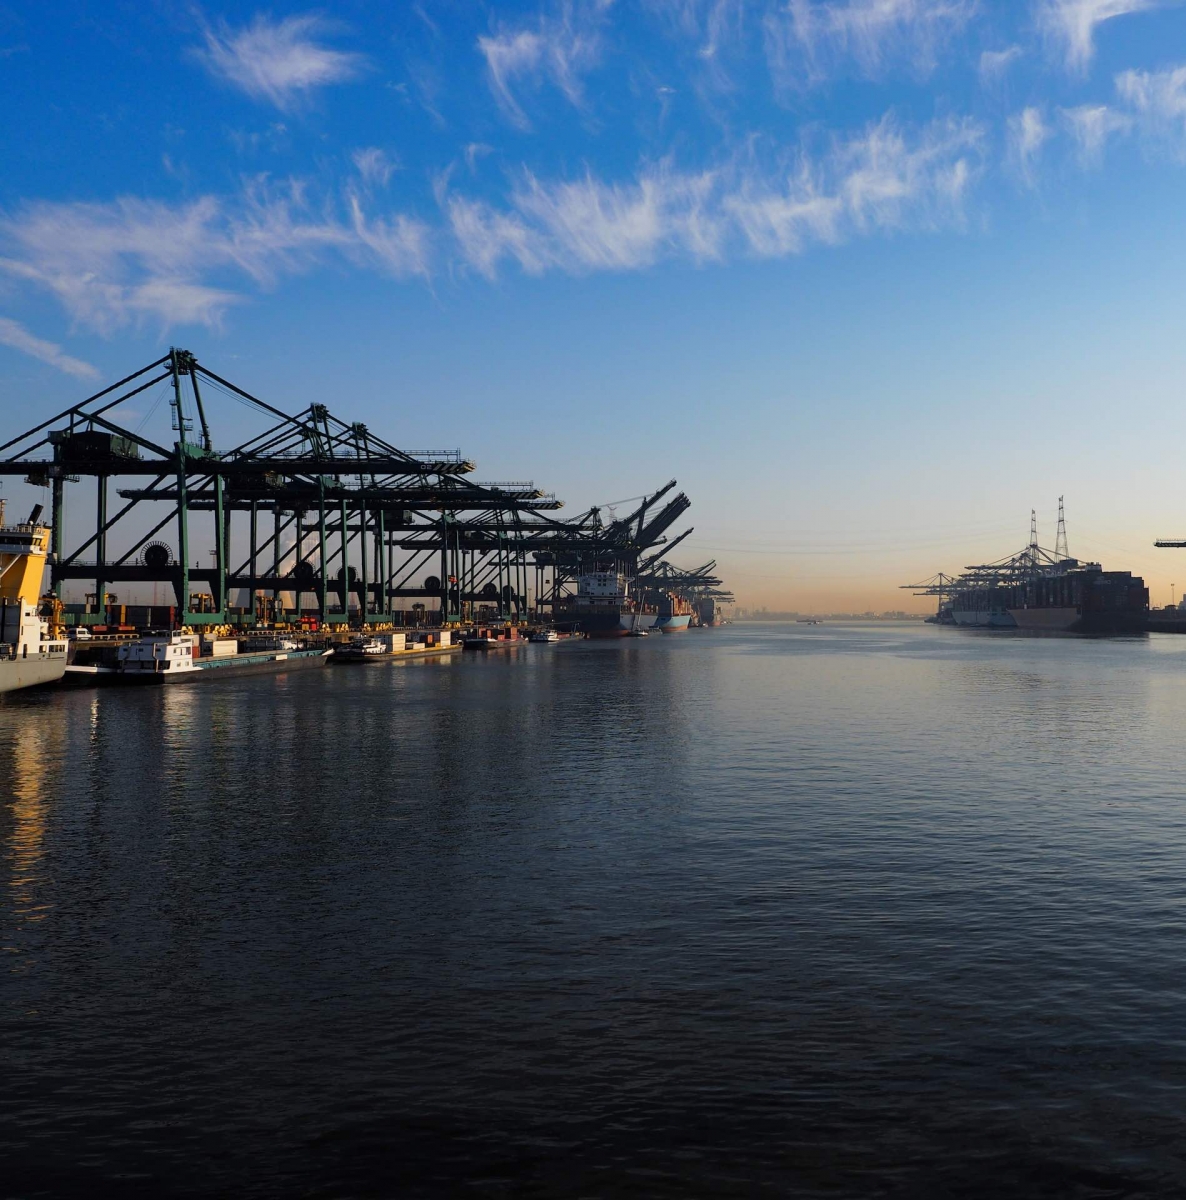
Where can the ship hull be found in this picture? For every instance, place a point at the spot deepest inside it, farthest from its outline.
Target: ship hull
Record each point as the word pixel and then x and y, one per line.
pixel 673 624
pixel 20 673
pixel 1074 620
pixel 982 618
pixel 1053 620
pixel 226 668
pixel 606 623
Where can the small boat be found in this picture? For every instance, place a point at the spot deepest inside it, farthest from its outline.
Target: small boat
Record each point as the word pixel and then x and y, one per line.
pixel 636 633
pixel 478 642
pixel 543 636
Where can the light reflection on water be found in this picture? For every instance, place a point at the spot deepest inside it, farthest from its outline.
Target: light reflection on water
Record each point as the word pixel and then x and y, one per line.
pixel 819 910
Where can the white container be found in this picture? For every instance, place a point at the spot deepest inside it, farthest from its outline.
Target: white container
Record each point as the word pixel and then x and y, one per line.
pixel 219 647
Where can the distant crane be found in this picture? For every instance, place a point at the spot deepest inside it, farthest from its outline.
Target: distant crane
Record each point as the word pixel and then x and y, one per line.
pixel 1061 551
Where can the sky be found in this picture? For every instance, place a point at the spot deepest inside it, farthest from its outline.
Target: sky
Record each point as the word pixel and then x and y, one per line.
pixel 871 278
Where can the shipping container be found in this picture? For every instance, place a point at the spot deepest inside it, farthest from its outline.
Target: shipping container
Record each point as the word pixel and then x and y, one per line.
pixel 219 647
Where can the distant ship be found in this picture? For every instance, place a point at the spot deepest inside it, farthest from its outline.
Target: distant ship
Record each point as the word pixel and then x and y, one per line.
pixel 1082 598
pixel 1087 600
pixel 29 656
pixel 674 613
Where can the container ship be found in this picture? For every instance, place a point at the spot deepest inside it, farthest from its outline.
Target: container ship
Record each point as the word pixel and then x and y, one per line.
pixel 1038 590
pixel 29 656
pixel 673 613
pixel 1083 600
pixel 603 607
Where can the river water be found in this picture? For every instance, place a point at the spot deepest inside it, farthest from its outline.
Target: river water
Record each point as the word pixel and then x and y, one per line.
pixel 867 910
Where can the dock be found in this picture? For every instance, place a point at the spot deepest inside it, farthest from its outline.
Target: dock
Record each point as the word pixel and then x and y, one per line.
pixel 321 529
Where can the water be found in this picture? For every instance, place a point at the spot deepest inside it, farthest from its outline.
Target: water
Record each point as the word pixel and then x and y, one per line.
pixel 775 910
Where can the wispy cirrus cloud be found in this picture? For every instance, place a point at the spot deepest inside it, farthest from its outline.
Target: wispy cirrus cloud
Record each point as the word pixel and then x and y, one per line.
pixel 994 63
pixel 121 263
pixel 1158 101
pixel 1070 25
pixel 805 39
pixel 1027 134
pixel 14 335
pixel 587 224
pixel 373 165
pixel 1091 125
pixel 884 179
pixel 280 62
pixel 558 49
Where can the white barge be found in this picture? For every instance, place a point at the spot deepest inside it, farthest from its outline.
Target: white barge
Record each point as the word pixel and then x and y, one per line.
pixel 173 657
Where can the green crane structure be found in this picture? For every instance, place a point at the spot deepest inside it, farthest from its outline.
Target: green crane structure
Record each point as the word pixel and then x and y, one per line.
pixel 332 512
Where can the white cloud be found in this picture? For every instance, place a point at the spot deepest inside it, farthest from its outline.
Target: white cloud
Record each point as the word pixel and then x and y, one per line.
pixel 994 63
pixel 115 264
pixel 722 24
pixel 775 219
pixel 1027 134
pixel 560 50
pixel 474 152
pixel 1157 102
pixel 804 37
pixel 277 61
pixel 1070 25
pixel 887 180
pixel 373 166
pixel 1091 126
pixel 1159 96
pixel 883 179
pixel 15 335
pixel 486 236
pixel 591 225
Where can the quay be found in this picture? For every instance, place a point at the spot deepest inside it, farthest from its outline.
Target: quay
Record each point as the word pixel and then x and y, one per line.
pixel 320 532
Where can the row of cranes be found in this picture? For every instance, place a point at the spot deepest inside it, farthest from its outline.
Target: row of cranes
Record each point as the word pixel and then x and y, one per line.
pixel 314 508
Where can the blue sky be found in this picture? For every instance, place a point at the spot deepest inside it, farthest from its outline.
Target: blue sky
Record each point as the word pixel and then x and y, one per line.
pixel 871 278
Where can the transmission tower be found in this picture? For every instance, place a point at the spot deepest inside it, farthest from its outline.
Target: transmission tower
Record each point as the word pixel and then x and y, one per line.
pixel 1060 542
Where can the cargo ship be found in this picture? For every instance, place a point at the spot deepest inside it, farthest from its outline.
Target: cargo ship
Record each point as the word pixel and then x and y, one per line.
pixel 29 655
pixel 1037 590
pixel 1076 598
pixel 603 607
pixel 982 607
pixel 673 613
pixel 1084 600
pixel 710 614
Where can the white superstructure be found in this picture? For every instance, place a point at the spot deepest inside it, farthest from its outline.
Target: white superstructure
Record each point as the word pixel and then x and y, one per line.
pixel 158 652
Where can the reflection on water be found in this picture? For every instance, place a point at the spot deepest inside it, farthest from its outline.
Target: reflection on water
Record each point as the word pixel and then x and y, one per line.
pixel 797 910
pixel 28 757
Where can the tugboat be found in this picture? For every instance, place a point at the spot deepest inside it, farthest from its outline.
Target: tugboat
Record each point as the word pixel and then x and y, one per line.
pixel 29 656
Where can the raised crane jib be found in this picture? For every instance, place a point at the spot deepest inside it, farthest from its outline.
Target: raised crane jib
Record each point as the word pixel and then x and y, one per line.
pixel 671 512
